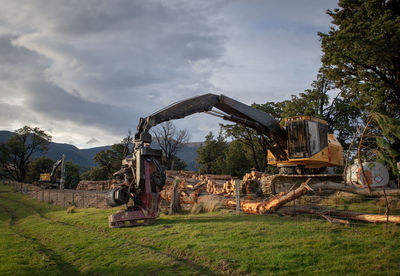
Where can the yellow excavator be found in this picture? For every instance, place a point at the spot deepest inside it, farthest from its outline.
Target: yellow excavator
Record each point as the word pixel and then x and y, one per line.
pixel 301 149
pixel 55 179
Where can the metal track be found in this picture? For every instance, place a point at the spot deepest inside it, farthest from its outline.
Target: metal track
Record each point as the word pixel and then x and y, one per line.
pixel 274 184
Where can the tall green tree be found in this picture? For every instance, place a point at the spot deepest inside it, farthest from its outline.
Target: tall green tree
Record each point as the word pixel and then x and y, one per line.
pixel 362 53
pixel 178 164
pixel 235 161
pixel 109 161
pixel 341 115
pixel 389 142
pixel 17 151
pixel 94 174
pixel 37 166
pixel 211 154
pixel 254 145
pixel 72 175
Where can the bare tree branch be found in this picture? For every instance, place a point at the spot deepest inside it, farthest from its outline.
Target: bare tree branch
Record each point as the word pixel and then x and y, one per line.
pixel 170 141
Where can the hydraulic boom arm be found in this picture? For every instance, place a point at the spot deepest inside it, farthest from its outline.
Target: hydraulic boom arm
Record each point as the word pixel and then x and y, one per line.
pixel 233 110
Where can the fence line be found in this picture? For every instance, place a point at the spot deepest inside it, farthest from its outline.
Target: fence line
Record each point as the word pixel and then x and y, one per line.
pixel 65 198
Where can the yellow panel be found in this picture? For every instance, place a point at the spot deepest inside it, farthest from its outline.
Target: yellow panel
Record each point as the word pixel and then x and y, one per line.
pixel 44 177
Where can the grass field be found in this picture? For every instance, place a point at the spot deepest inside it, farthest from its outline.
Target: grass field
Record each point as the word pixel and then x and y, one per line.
pixel 41 239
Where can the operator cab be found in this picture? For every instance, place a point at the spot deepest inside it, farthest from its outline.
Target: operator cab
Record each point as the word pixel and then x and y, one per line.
pixel 306 136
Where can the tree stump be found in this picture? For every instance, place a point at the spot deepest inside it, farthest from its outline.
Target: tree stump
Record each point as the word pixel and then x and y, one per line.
pixel 175 205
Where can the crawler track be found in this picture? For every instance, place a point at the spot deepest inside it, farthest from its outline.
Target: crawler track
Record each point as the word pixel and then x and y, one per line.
pixel 273 184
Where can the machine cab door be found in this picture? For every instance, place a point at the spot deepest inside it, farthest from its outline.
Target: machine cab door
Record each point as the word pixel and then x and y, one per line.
pixel 306 136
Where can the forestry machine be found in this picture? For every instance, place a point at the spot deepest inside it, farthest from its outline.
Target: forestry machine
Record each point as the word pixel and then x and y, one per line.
pixel 55 179
pixel 301 149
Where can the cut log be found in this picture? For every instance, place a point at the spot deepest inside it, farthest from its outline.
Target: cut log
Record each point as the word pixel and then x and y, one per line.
pixel 335 220
pixel 320 211
pixel 276 201
pixel 329 185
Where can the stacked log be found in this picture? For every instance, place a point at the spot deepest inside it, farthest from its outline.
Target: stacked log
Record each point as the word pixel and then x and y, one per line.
pixel 217 184
pixel 191 185
pixel 251 184
pixel 102 185
pixel 230 187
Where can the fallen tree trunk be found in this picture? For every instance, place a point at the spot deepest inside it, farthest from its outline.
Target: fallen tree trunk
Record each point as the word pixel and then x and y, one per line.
pixel 329 185
pixel 274 202
pixel 320 211
pixel 280 199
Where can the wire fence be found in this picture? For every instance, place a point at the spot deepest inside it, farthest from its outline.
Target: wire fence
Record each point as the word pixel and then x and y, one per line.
pixel 325 203
pixel 65 198
pixel 328 206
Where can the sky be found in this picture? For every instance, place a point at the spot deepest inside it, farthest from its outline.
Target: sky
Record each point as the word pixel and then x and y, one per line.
pixel 86 71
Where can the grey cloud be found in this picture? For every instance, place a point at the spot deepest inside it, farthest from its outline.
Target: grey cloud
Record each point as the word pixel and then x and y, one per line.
pixel 59 105
pixel 104 64
pixel 92 141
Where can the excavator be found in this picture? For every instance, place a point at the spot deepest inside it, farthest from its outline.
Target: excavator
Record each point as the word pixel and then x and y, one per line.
pixel 52 180
pixel 301 149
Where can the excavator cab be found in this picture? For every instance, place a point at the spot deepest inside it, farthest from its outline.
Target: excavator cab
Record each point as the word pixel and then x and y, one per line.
pixel 306 136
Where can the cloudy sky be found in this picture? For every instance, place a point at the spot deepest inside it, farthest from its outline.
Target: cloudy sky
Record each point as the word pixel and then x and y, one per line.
pixel 85 71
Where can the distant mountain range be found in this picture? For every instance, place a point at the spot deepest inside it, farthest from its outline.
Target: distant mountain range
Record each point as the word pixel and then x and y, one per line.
pixel 84 157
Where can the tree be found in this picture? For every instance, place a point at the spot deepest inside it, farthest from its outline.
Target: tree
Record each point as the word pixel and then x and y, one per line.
pixel 110 160
pixel 72 175
pixel 389 142
pixel 362 53
pixel 255 145
pixel 17 151
pixel 342 117
pixel 95 174
pixel 211 154
pixel 37 166
pixel 178 164
pixel 236 162
pixel 170 141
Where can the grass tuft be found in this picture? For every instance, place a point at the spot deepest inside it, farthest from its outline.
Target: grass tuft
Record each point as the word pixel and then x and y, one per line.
pixel 71 209
pixel 206 207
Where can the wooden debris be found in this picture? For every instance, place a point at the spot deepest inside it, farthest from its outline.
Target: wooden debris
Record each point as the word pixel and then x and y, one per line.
pixel 102 185
pixel 323 211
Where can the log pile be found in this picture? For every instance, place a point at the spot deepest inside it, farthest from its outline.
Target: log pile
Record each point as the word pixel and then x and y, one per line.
pixel 229 187
pixel 190 186
pixel 217 184
pixel 102 185
pixel 251 184
pixel 193 185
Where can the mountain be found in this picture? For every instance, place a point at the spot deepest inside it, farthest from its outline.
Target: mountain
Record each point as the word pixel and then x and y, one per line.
pixel 84 157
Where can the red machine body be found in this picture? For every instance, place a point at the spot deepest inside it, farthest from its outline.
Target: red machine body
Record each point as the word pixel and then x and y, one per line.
pixel 144 178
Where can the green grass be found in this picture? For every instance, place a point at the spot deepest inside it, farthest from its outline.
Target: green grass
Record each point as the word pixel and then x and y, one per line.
pixel 40 239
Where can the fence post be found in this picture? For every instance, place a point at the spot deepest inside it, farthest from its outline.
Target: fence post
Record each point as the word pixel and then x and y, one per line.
pixel 387 209
pixel 237 187
pixel 83 200
pixel 42 195
pixel 73 199
pixel 294 202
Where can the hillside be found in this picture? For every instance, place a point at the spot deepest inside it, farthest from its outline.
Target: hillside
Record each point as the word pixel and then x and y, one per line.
pixel 84 157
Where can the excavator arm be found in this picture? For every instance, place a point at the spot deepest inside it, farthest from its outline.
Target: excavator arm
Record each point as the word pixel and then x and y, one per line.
pixel 144 176
pixel 233 110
